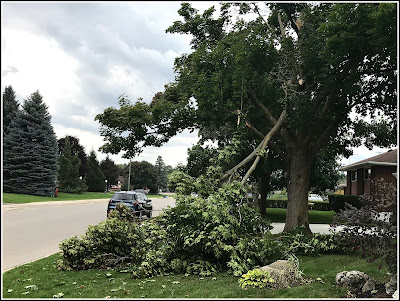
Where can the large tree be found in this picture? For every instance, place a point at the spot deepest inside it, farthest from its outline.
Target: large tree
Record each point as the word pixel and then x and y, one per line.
pixel 10 108
pixel 76 148
pixel 30 151
pixel 95 179
pixel 304 78
pixel 161 174
pixel 68 174
pixel 110 170
pixel 143 175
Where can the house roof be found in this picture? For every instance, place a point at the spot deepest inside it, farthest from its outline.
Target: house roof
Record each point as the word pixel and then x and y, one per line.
pixel 386 159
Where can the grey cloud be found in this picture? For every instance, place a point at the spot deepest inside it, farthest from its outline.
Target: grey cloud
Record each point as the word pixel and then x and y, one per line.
pixel 9 69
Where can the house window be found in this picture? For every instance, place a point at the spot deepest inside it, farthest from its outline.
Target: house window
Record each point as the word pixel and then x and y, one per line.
pixel 354 175
pixel 367 173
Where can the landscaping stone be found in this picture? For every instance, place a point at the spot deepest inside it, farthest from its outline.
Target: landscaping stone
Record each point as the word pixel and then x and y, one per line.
pixel 353 280
pixel 391 285
pixel 283 272
pixel 368 286
pixel 396 295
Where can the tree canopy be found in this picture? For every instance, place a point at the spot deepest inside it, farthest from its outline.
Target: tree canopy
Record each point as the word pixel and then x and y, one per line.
pixel 76 149
pixel 303 78
pixel 110 170
pixel 68 175
pixel 10 108
pixel 95 177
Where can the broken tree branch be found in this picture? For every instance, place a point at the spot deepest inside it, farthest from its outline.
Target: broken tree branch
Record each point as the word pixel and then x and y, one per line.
pixel 268 137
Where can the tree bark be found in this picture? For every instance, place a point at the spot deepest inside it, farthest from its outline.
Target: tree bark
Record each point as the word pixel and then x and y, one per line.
pixel 264 189
pixel 299 172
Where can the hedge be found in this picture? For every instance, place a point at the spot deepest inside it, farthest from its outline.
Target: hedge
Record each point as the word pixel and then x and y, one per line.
pixel 316 205
pixel 337 201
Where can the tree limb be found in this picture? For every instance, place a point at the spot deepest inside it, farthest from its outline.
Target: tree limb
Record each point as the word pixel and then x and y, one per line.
pixel 265 111
pixel 272 145
pixel 268 137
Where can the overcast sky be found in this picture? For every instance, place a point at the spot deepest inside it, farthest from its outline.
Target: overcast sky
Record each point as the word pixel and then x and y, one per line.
pixel 82 56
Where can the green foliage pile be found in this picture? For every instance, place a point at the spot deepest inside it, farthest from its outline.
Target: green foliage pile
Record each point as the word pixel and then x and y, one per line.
pixel 198 236
pixel 30 150
pixel 297 242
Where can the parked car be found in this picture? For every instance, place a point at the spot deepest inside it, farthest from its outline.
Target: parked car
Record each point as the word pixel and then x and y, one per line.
pixel 315 197
pixel 138 202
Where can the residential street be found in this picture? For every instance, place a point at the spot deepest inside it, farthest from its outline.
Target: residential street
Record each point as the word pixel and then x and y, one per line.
pixel 32 231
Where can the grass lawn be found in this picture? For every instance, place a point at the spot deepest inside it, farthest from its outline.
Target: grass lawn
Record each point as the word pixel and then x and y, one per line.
pixel 41 279
pixel 278 215
pixel 25 198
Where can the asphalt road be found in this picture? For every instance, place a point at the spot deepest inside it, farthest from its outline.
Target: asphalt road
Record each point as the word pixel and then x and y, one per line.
pixel 32 231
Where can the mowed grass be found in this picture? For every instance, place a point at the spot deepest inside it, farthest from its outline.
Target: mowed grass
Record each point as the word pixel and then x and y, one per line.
pixel 278 215
pixel 41 279
pixel 25 198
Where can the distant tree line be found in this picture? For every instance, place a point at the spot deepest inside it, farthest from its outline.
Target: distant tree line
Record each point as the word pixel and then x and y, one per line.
pixel 36 163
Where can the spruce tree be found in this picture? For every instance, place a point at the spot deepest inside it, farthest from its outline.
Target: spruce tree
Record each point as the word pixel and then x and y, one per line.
pixel 68 175
pixel 10 108
pixel 30 151
pixel 161 173
pixel 95 177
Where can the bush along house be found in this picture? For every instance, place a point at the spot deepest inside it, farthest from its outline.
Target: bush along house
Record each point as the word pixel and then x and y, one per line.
pixel 361 173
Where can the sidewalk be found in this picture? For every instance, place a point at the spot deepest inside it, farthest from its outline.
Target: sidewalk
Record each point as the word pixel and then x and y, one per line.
pixel 315 228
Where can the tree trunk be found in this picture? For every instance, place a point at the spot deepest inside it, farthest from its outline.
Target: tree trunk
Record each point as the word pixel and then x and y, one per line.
pixel 298 183
pixel 264 189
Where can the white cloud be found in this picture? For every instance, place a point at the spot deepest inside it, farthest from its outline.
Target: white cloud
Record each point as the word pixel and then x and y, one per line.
pixel 42 65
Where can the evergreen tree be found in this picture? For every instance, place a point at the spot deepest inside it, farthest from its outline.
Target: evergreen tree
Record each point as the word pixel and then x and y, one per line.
pixel 10 108
pixel 30 151
pixel 111 171
pixel 68 175
pixel 161 174
pixel 95 177
pixel 76 148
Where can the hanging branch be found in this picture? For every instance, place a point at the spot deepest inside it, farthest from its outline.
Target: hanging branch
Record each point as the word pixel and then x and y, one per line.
pixel 267 138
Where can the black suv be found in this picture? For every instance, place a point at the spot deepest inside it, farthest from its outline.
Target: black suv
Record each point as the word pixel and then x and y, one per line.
pixel 139 203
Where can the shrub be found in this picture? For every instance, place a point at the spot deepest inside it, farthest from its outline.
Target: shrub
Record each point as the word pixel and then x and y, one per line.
pixel 362 232
pixel 280 203
pixel 322 206
pixel 256 278
pixel 337 201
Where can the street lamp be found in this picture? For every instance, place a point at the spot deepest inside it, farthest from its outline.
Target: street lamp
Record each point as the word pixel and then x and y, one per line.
pixel 106 186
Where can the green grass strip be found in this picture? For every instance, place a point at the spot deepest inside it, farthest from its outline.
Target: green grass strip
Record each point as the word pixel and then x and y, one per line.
pixel 278 215
pixel 41 279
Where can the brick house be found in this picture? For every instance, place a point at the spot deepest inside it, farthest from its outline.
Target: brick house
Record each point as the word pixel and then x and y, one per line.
pixel 360 174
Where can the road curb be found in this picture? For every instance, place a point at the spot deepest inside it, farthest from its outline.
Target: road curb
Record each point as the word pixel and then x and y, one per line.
pixel 13 206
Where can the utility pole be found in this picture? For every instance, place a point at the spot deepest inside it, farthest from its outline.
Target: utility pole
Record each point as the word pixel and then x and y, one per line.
pixel 129 177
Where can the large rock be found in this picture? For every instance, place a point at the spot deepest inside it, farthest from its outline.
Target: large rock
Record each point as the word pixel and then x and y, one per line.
pixel 283 272
pixel 391 285
pixel 353 280
pixel 368 286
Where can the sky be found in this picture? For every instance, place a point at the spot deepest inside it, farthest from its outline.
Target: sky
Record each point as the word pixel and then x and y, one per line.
pixel 81 56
